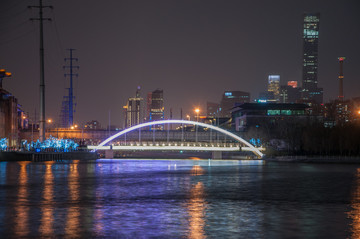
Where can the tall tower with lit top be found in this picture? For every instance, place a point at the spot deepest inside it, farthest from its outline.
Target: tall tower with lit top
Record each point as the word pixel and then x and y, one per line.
pixel 341 79
pixel 310 90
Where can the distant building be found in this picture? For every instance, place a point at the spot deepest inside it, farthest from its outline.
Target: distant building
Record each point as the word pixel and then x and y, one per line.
pixel 264 115
pixel 148 105
pixel 212 109
pixel 10 120
pixel 274 87
pixel 337 112
pixel 293 84
pixel 157 105
pixel 289 94
pixel 310 90
pixel 230 99
pixel 265 96
pixel 92 125
pixel 134 110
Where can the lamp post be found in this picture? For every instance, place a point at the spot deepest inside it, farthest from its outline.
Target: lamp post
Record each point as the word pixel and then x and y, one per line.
pixel 197 111
pixel 3 74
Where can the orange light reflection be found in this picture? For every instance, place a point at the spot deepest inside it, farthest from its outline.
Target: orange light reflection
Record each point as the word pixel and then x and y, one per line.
pixel 73 215
pixel 196 210
pixel 196 206
pixel 47 219
pixel 22 211
pixel 354 214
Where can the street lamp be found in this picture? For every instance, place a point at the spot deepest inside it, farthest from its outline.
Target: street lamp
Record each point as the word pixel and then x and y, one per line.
pixel 3 74
pixel 188 117
pixel 197 110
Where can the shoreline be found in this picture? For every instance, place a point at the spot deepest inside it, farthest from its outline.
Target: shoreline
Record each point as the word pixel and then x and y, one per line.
pixel 12 156
pixel 314 159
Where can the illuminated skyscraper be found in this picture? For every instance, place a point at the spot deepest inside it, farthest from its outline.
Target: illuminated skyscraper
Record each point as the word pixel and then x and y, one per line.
pixel 341 79
pixel 134 110
pixel 274 87
pixel 157 105
pixel 310 90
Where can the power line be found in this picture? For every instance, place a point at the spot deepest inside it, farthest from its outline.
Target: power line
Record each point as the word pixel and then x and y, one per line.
pixel 18 37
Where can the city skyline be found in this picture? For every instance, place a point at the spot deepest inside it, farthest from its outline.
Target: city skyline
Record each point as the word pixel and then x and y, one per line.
pixel 188 49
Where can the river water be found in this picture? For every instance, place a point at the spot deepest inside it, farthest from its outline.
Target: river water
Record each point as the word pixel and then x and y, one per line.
pixel 179 199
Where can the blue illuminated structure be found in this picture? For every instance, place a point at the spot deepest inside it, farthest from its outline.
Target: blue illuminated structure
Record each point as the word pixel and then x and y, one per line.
pixel 51 144
pixel 3 144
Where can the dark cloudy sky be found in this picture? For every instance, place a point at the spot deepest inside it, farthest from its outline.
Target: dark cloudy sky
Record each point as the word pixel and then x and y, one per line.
pixel 192 49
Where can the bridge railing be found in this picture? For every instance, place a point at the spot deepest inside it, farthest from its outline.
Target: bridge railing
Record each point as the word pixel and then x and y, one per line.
pixel 176 143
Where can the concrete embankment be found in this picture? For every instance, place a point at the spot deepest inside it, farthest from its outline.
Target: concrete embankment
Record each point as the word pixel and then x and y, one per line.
pixel 46 156
pixel 314 159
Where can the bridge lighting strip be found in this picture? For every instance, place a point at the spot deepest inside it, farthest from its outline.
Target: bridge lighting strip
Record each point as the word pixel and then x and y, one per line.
pixel 174 148
pixel 234 136
pixel 169 148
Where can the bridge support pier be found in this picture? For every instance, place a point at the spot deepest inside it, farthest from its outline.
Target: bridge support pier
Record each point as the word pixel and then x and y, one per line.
pixel 109 154
pixel 216 155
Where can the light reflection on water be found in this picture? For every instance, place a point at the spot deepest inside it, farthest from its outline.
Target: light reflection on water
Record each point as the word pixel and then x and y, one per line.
pixel 179 198
pixel 21 210
pixel 73 213
pixel 47 217
pixel 354 214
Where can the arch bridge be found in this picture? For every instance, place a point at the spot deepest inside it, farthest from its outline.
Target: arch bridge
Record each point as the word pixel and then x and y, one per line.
pixel 229 142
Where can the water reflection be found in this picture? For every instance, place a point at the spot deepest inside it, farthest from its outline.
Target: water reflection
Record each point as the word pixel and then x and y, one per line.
pixel 73 214
pixel 47 217
pixel 354 214
pixel 197 170
pixel 173 199
pixel 196 206
pixel 21 209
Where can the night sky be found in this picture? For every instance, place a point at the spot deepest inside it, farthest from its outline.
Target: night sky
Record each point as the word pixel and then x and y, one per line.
pixel 192 49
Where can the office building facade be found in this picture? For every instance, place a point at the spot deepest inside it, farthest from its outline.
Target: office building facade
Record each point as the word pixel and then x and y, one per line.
pixel 274 87
pixel 134 110
pixel 157 105
pixel 310 90
pixel 230 99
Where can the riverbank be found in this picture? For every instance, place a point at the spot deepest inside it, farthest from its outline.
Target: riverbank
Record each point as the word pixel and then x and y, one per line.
pixel 46 156
pixel 315 159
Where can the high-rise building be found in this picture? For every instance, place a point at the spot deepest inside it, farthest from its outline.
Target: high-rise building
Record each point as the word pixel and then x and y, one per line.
pixel 310 90
pixel 148 105
pixel 157 105
pixel 274 86
pixel 134 110
pixel 212 109
pixel 230 99
pixel 341 79
pixel 289 94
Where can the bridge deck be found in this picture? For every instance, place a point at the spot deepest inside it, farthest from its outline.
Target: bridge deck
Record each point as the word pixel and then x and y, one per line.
pixel 174 147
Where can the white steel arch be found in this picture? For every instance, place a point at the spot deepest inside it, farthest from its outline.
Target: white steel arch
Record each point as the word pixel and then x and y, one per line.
pixel 234 136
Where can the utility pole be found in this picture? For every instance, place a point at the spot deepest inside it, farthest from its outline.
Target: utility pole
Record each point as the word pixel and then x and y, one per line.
pixel 71 92
pixel 42 69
